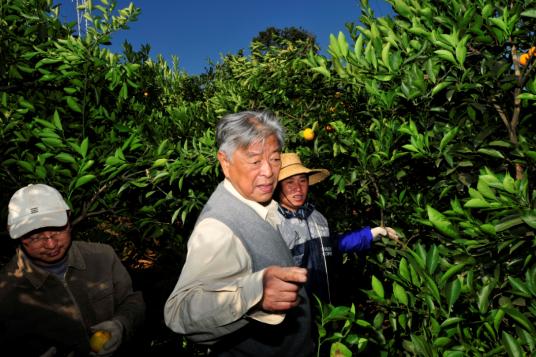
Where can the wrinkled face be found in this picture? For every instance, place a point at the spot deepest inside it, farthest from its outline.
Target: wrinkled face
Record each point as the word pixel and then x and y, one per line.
pixel 253 170
pixel 48 245
pixel 293 192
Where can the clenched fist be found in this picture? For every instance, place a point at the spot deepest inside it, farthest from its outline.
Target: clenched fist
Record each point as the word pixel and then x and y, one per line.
pixel 281 286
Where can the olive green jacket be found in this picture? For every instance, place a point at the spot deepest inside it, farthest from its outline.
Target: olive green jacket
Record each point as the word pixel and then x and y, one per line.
pixel 38 310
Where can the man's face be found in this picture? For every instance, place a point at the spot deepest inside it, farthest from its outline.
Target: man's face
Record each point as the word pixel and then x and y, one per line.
pixel 48 245
pixel 253 170
pixel 293 193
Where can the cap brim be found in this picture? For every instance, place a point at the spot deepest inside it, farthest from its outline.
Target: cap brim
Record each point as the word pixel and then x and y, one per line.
pixel 33 222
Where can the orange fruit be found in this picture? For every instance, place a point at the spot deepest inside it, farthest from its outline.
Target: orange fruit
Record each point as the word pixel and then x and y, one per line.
pixel 524 59
pixel 98 340
pixel 329 128
pixel 532 51
pixel 308 134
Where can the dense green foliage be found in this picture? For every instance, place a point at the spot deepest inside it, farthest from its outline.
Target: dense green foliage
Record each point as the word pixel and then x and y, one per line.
pixel 425 120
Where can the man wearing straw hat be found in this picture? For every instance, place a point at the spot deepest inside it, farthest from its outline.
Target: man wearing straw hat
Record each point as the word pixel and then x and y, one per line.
pixel 306 230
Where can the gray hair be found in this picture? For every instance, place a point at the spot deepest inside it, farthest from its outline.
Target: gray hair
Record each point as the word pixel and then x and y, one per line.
pixel 239 130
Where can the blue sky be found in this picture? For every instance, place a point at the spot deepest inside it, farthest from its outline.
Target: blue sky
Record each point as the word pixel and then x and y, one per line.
pixel 198 30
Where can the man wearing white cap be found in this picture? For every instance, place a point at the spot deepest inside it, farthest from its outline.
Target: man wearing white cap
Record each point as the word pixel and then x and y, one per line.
pixel 55 293
pixel 306 230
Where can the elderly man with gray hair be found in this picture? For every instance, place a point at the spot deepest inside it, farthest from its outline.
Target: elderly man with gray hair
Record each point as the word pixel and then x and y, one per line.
pixel 238 291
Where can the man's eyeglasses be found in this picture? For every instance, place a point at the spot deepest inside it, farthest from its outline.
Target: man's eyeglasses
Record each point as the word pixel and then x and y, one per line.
pixel 39 238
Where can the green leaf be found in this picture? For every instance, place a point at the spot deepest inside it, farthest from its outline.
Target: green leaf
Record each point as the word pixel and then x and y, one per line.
pixel 529 13
pixel 508 224
pixel 451 321
pixel 441 223
pixel 447 138
pixel 160 162
pixel 509 183
pixel 432 259
pixel 87 166
pixel 26 165
pixel 491 152
pixel 26 104
pixel 57 121
pixel 488 228
pixel 521 319
pixel 450 272
pixel 162 147
pixel 339 313
pixel 83 180
pixel 65 157
pixel 461 52
pixel 343 44
pixel 529 219
pixel 84 146
pixel 53 142
pixel 322 70
pixel 421 345
pixel 483 297
pixel 402 8
pixel 73 104
pixel 338 349
pixel 441 341
pixel 519 287
pixel 498 318
pixel 403 269
pixel 453 293
pixel 377 287
pixel 400 294
pixel 476 203
pixel 485 190
pixel 430 283
pixel 45 123
pixel 446 55
pixel 511 345
pixel 123 93
pixel 385 55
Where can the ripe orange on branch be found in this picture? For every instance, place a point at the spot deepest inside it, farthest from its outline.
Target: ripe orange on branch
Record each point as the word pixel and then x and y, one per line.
pixel 524 59
pixel 308 134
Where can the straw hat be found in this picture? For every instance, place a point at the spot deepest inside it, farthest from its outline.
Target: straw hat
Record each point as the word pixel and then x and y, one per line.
pixel 291 165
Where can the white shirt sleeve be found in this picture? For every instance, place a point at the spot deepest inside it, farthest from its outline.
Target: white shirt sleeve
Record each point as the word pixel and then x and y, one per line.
pixel 216 287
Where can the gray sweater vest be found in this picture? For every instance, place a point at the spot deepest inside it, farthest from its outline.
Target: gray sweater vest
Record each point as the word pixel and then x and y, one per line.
pixel 266 247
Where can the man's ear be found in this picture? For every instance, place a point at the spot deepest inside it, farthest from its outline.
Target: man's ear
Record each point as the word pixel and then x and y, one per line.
pixel 224 163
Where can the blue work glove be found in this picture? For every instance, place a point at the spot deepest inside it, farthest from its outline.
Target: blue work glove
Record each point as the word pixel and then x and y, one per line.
pixel 115 328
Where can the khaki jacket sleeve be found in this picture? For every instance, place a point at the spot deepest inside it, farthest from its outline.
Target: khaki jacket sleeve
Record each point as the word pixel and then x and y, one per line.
pixel 216 288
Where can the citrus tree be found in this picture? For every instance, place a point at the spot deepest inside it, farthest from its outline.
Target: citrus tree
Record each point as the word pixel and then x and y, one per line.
pixel 424 119
pixel 453 84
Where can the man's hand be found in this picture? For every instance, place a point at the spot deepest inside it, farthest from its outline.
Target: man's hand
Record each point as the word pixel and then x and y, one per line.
pixel 116 330
pixel 384 231
pixel 281 285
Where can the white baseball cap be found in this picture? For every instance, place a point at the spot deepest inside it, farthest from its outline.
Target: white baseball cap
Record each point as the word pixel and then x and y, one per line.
pixel 33 207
